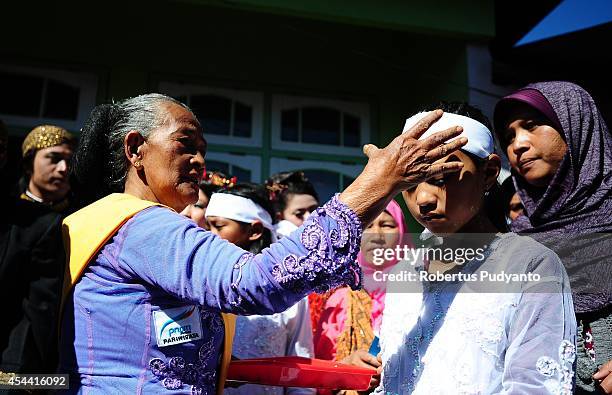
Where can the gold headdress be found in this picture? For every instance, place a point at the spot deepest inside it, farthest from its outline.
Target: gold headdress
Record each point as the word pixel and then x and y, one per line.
pixel 45 136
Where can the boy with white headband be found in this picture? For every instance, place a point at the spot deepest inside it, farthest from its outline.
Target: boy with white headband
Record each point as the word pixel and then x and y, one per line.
pixel 451 328
pixel 243 215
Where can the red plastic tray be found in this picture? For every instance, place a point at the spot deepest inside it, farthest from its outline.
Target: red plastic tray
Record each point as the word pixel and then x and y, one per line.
pixel 300 372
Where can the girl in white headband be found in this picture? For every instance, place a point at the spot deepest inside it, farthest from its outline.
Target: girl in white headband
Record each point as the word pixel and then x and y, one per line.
pixel 243 215
pixel 451 328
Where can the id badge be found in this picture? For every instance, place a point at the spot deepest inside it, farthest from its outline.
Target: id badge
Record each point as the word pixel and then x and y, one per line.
pixel 178 325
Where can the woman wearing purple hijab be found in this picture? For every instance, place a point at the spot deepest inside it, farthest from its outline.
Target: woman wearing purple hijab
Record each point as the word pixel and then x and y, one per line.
pixel 560 150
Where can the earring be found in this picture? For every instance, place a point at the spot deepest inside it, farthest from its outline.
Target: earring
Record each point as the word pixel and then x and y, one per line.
pixel 137 165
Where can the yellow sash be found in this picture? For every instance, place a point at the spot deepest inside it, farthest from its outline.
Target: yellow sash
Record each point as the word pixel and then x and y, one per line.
pixel 86 231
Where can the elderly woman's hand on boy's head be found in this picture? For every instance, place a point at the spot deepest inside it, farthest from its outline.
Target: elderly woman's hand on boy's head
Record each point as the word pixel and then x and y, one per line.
pixel 408 161
pixel 404 163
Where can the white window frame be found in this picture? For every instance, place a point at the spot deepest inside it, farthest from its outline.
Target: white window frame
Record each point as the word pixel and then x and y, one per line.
pixel 283 164
pixel 249 162
pixel 286 102
pixel 251 98
pixel 87 83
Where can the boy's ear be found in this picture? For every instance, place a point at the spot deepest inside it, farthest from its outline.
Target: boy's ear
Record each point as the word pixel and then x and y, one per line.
pixel 492 169
pixel 256 231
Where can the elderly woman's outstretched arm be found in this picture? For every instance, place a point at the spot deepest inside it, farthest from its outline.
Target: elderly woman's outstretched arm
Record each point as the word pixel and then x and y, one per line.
pixel 170 252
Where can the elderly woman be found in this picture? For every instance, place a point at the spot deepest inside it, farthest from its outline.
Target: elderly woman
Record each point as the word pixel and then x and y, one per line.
pixel 560 151
pixel 146 286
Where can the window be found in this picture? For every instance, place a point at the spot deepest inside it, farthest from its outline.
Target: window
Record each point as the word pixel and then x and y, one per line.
pixel 30 97
pixel 319 125
pixel 228 117
pixel 330 132
pixel 247 168
pixel 328 178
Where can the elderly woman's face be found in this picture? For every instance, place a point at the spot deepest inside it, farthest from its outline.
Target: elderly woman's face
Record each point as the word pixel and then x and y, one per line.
pixel 173 158
pixel 383 233
pixel 534 147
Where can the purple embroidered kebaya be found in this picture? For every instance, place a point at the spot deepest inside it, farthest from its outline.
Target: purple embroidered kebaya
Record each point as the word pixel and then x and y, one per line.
pixel 119 331
pixel 302 272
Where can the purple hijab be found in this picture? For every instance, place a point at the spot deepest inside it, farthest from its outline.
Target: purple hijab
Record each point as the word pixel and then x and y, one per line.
pixel 578 201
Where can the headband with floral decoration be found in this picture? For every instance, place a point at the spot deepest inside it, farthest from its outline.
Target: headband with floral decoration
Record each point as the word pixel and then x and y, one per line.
pixel 216 179
pixel 274 190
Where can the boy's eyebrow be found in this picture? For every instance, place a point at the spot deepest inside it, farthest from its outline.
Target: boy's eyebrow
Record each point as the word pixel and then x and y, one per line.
pixel 56 154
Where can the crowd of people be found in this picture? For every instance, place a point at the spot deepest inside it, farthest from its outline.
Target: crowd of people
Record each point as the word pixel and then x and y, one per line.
pixel 131 267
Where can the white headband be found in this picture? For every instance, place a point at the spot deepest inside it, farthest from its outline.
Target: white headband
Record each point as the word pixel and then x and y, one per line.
pixel 480 139
pixel 239 209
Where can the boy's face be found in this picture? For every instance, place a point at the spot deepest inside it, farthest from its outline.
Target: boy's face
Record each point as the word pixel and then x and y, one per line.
pixel 50 172
pixel 444 204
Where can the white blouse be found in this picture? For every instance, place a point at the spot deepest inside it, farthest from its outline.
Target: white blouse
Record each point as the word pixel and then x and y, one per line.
pixel 475 337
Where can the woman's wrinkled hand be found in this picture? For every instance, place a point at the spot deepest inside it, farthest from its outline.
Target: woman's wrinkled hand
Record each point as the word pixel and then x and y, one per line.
pixel 404 163
pixel 408 161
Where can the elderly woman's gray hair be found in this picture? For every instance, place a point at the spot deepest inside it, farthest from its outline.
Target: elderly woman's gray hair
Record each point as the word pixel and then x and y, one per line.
pixel 100 154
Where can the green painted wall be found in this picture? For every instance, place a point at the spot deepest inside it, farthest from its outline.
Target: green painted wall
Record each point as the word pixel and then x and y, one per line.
pixel 395 57
pixel 447 17
pixel 132 46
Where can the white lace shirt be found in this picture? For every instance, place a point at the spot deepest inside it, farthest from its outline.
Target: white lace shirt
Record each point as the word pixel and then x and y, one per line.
pixel 458 338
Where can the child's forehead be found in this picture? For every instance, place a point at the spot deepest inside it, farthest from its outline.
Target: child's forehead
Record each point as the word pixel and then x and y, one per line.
pixel 219 218
pixel 226 221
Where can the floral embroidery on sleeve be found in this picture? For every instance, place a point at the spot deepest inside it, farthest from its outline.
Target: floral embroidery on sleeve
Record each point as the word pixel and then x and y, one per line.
pixel 234 296
pixel 560 373
pixel 332 256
